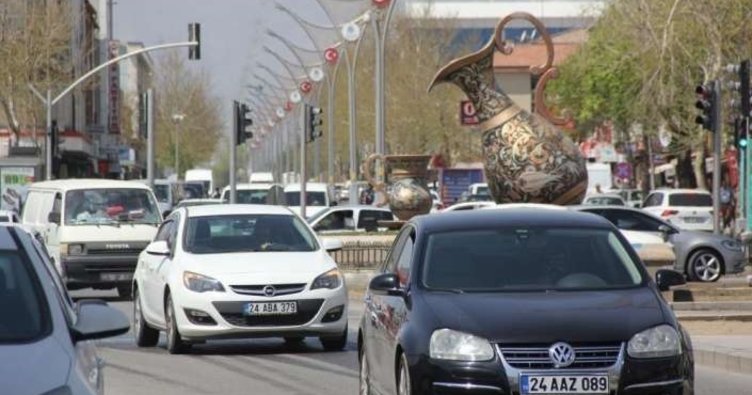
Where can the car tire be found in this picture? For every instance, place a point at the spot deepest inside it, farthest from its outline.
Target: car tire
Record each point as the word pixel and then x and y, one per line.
pixel 336 343
pixel 145 335
pixel 175 342
pixel 704 265
pixel 125 291
pixel 404 386
pixel 365 374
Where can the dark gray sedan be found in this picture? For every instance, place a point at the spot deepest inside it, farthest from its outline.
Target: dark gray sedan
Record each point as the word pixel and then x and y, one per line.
pixel 702 256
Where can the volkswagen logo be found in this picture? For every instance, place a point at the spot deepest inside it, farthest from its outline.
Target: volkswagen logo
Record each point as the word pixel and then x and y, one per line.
pixel 561 354
pixel 269 291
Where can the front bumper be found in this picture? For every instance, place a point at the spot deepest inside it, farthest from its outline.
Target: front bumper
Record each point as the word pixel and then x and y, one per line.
pixel 665 376
pixel 735 261
pixel 100 271
pixel 225 310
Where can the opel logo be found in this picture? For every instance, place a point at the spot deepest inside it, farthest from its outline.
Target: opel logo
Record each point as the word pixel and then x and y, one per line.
pixel 561 354
pixel 269 291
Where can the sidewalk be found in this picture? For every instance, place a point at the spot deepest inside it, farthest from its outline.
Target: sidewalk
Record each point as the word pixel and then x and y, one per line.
pixel 732 353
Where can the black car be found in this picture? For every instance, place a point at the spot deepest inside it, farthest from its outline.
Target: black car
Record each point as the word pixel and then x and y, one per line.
pixel 520 301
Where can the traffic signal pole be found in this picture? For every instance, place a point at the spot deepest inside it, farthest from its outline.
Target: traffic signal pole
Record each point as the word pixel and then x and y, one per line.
pixel 233 149
pixel 717 143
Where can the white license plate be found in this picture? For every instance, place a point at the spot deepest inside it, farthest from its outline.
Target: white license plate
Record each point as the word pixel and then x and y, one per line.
pixel 116 277
pixel 589 384
pixel 270 308
pixel 694 220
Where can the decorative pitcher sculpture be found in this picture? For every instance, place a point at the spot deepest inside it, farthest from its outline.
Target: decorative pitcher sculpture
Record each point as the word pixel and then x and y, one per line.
pixel 526 158
pixel 406 175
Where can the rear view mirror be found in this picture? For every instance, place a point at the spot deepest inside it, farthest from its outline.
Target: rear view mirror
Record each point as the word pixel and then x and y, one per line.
pixel 158 248
pixel 53 218
pixel 668 278
pixel 386 284
pixel 97 320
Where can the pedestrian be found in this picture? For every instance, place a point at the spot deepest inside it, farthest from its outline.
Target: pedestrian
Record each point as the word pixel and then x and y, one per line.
pixel 598 188
pixel 366 197
pixel 216 194
pixel 727 205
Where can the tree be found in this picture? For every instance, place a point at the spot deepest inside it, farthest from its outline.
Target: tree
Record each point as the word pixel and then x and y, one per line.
pixel 35 47
pixel 180 90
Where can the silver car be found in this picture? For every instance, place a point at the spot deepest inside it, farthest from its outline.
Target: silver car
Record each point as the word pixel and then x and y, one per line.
pixel 41 328
pixel 702 256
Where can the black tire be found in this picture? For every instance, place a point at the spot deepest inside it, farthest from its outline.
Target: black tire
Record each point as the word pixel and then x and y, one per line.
pixel 294 340
pixel 335 343
pixel 404 385
pixel 364 387
pixel 144 335
pixel 125 291
pixel 704 265
pixel 175 342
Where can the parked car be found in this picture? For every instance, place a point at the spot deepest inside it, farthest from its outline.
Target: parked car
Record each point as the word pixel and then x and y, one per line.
pixel 45 338
pixel 479 188
pixel 468 206
pixel 633 197
pixel 83 221
pixel 689 209
pixel 238 271
pixel 318 198
pixel 604 199
pixel 350 218
pixel 702 256
pixel 593 321
pixel 198 202
pixel 256 193
pixel 7 216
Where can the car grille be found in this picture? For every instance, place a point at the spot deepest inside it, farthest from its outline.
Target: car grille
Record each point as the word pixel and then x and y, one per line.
pixel 258 290
pixel 123 251
pixel 232 312
pixel 536 356
pixel 110 267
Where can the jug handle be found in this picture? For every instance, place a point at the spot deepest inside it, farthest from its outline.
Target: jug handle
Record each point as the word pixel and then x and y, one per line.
pixel 368 174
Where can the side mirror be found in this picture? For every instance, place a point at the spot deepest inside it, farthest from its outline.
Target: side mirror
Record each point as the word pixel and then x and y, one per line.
pixel 386 284
pixel 331 245
pixel 666 231
pixel 158 248
pixel 668 278
pixel 97 320
pixel 166 213
pixel 333 203
pixel 53 218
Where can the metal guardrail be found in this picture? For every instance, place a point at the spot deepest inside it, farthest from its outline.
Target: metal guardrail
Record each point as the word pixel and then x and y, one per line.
pixel 360 255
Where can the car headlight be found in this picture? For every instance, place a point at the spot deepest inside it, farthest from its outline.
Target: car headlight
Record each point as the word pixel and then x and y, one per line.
pixel 458 346
pixel 200 283
pixel 328 280
pixel 661 341
pixel 732 245
pixel 71 249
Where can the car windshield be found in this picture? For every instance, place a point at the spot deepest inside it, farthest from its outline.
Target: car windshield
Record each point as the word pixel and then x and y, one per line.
pixel 110 206
pixel 604 201
pixel 244 233
pixel 23 316
pixel 482 190
pixel 312 198
pixel 193 191
pixel 528 259
pixel 162 192
pixel 690 199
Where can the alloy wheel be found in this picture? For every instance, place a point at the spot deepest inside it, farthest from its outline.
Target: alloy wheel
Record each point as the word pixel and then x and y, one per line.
pixel 706 267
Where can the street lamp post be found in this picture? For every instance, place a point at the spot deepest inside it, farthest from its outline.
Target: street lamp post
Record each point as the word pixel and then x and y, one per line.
pixel 177 119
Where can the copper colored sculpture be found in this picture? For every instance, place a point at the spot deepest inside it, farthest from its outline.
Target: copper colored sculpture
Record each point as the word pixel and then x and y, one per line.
pixel 406 175
pixel 526 158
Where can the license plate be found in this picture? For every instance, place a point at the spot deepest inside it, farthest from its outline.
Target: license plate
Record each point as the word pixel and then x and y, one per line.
pixel 270 308
pixel 694 220
pixel 116 277
pixel 589 384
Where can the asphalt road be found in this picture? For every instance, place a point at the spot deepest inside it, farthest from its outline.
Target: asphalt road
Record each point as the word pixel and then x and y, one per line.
pixel 270 367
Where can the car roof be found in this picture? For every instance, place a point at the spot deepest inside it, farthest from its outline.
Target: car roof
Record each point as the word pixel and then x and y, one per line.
pixel 310 186
pixel 522 216
pixel 86 183
pixel 239 209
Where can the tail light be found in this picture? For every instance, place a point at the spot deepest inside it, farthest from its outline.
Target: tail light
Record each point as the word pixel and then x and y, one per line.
pixel 668 213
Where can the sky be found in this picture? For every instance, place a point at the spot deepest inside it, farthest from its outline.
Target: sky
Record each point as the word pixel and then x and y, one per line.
pixel 233 33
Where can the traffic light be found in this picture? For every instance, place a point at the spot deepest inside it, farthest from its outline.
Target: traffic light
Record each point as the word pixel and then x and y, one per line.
pixel 744 93
pixel 194 34
pixel 242 122
pixel 314 120
pixel 740 131
pixel 55 138
pixel 707 101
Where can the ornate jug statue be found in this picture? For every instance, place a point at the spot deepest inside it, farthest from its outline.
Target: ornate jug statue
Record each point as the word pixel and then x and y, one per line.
pixel 526 158
pixel 406 176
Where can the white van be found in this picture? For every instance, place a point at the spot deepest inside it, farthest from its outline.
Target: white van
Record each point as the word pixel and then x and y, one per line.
pixel 94 229
pixel 261 177
pixel 203 176
pixel 318 198
pixel 256 193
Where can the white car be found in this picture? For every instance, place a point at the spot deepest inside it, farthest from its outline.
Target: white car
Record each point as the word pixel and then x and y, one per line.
pixel 688 209
pixel 468 206
pixel 350 218
pixel 238 271
pixel 318 198
pixel 256 193
pixel 604 199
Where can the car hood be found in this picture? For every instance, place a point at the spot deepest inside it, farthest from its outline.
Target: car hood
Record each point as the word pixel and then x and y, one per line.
pixel 112 233
pixel 539 317
pixel 263 267
pixel 22 376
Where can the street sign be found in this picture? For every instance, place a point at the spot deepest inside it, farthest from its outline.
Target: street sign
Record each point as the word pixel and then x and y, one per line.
pixel 468 114
pixel 624 170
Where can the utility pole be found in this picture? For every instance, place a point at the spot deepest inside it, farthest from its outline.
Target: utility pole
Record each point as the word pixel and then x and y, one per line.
pixel 150 136
pixel 303 179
